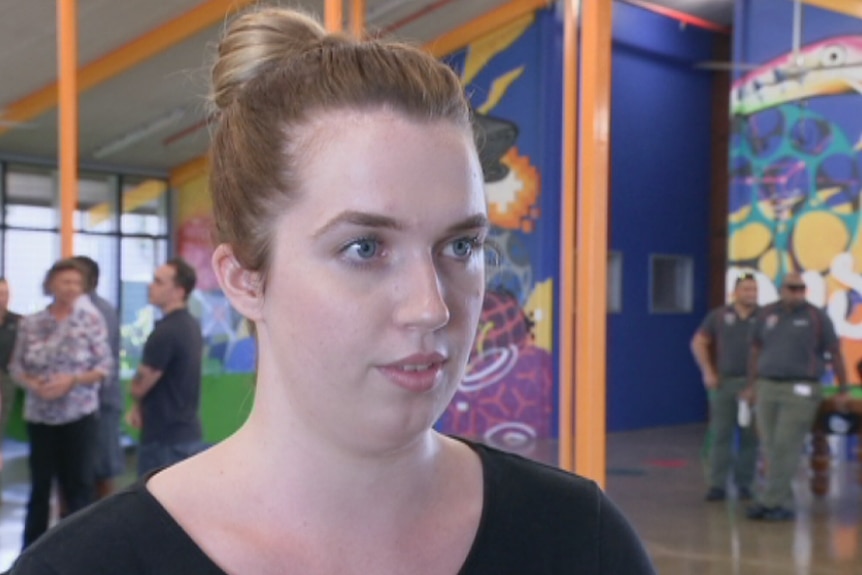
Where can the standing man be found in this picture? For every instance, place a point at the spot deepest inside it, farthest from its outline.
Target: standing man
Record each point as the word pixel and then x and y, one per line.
pixel 791 341
pixel 110 461
pixel 167 384
pixel 724 377
pixel 8 333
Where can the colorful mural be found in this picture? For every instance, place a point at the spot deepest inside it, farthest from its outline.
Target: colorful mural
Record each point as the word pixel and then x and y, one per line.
pixel 508 394
pixel 796 178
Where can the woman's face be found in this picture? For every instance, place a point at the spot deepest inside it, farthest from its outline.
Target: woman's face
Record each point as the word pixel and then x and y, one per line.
pixel 377 277
pixel 66 286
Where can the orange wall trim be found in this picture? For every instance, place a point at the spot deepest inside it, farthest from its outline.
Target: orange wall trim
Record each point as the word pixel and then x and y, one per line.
pixel 67 56
pixel 568 223
pixel 333 15
pixel 114 63
pixel 357 18
pixel 463 35
pixel 592 234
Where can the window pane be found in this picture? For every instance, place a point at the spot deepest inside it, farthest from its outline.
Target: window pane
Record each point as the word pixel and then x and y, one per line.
pixel 103 249
pixel 140 258
pixel 672 284
pixel 28 256
pixel 145 206
pixel 30 198
pixel 97 203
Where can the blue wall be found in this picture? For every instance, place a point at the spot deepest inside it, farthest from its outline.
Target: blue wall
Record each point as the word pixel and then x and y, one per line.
pixel 660 182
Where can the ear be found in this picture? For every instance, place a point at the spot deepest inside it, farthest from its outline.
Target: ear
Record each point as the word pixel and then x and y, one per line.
pixel 241 286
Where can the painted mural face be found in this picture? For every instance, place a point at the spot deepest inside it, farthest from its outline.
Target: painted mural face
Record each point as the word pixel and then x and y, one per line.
pixel 377 277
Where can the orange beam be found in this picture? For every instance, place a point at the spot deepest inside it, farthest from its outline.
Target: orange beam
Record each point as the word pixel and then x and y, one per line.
pixel 67 65
pixel 357 18
pixel 114 63
pixel 568 294
pixel 592 233
pixel 462 36
pixel 333 15
pixel 848 7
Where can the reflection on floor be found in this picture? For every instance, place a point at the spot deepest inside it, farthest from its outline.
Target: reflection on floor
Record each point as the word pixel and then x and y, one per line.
pixel 656 477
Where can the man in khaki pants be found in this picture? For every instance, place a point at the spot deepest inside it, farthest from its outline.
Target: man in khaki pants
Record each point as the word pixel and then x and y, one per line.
pixel 790 343
pixel 729 328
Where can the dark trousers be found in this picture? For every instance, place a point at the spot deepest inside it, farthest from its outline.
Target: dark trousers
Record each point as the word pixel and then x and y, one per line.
pixel 66 452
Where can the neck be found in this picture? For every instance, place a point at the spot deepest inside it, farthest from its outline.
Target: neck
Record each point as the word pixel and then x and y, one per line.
pixel 60 308
pixel 173 307
pixel 743 309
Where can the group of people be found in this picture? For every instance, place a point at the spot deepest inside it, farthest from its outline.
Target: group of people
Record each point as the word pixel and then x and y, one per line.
pixel 66 357
pixel 769 360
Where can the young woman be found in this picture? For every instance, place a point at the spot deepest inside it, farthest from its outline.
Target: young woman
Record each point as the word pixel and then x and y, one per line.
pixel 351 218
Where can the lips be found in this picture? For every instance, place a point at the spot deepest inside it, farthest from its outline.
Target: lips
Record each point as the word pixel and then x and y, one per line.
pixel 416 373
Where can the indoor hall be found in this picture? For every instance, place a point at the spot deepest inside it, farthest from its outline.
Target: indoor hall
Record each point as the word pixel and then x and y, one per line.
pixel 689 196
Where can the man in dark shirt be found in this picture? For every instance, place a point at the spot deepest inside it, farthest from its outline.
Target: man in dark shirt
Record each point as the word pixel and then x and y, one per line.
pixel 728 327
pixel 110 461
pixel 167 384
pixel 8 333
pixel 790 343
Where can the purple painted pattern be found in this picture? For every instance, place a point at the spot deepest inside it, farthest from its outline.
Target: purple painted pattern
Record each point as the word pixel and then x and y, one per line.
pixel 47 347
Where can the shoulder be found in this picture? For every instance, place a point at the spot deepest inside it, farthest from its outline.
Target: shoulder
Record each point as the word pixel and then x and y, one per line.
pixel 536 514
pixel 127 533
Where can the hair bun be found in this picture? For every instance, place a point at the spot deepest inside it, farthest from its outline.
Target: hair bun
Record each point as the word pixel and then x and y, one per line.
pixel 253 42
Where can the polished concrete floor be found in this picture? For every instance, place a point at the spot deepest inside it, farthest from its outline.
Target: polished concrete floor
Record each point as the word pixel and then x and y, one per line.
pixel 656 477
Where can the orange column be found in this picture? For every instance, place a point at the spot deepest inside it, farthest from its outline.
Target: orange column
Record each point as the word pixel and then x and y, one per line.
pixel 568 205
pixel 67 58
pixel 333 15
pixel 357 18
pixel 592 233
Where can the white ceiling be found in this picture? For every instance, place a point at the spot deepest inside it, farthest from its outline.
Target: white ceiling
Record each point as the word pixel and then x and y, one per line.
pixel 176 78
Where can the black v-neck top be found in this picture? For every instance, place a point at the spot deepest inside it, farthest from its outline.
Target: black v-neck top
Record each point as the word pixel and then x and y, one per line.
pixel 536 520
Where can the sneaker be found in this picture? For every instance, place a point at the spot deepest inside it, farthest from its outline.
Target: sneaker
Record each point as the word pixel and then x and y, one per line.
pixel 743 493
pixel 715 494
pixel 757 511
pixel 779 514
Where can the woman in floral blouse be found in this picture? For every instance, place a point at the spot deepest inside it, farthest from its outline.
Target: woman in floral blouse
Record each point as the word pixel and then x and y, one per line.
pixel 61 356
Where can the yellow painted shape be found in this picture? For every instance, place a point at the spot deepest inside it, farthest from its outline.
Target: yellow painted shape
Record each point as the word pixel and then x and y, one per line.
pixel 540 307
pixel 482 50
pixel 489 23
pixel 848 7
pixel 740 215
pixel 768 264
pixel 127 56
pixel 189 171
pixel 499 89
pixel 142 195
pixel 767 209
pixel 193 199
pixel 749 242
pixel 817 238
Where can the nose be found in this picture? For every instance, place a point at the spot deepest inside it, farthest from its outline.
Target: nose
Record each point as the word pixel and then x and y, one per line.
pixel 420 303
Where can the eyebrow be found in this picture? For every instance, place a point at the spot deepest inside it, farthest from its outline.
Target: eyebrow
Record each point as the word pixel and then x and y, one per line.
pixel 370 220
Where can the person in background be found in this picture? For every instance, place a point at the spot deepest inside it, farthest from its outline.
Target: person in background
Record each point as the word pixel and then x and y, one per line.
pixel 728 328
pixel 61 356
pixel 791 342
pixel 167 384
pixel 110 461
pixel 8 333
pixel 351 220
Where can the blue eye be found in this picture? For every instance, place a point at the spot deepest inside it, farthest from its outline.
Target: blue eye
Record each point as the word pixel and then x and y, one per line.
pixel 364 249
pixel 463 248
